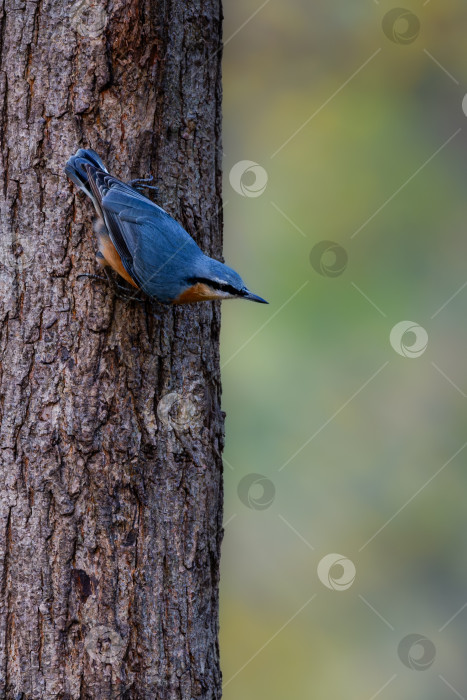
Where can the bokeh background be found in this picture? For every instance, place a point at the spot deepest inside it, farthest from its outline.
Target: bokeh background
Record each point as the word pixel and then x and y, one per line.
pixel 340 441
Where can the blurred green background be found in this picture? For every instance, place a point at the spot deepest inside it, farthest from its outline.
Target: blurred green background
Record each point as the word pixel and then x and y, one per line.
pixel 355 117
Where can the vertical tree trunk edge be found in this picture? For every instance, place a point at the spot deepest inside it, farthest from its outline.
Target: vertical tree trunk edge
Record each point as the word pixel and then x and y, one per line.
pixel 110 417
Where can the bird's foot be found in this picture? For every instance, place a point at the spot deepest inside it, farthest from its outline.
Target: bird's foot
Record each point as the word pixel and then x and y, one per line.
pixel 93 277
pixel 139 184
pixel 117 288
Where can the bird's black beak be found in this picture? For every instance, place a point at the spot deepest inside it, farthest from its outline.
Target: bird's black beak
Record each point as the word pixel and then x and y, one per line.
pixel 253 297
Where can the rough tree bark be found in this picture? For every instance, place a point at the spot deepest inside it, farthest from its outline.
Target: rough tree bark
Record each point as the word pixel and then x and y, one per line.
pixel 111 428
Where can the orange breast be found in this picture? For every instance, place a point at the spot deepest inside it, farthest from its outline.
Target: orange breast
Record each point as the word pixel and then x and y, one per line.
pixel 198 292
pixel 112 258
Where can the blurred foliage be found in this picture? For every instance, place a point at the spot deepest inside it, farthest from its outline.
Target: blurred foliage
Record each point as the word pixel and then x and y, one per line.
pixel 375 158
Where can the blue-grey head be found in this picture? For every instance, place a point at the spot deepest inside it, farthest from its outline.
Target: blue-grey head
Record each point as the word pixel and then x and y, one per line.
pixel 211 279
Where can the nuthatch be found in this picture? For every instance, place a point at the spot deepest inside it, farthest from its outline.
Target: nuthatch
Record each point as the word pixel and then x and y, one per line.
pixel 145 245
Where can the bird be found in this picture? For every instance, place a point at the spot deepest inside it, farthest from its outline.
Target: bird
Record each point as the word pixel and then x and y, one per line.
pixel 146 246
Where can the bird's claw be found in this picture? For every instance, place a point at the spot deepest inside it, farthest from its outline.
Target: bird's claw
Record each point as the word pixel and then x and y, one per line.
pixel 138 184
pixel 108 279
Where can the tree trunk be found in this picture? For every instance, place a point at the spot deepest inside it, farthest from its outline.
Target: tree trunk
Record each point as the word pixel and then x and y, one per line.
pixel 111 428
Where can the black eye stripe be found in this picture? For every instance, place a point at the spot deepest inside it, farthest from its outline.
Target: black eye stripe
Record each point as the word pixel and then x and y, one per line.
pixel 216 285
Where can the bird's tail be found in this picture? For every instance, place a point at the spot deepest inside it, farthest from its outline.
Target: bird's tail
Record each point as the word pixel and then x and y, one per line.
pixel 76 170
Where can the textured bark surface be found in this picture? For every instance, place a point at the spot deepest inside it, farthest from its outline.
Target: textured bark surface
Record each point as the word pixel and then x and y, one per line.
pixel 110 500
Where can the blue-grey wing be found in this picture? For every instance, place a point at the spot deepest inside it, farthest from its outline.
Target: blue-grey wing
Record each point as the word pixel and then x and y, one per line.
pixel 153 245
